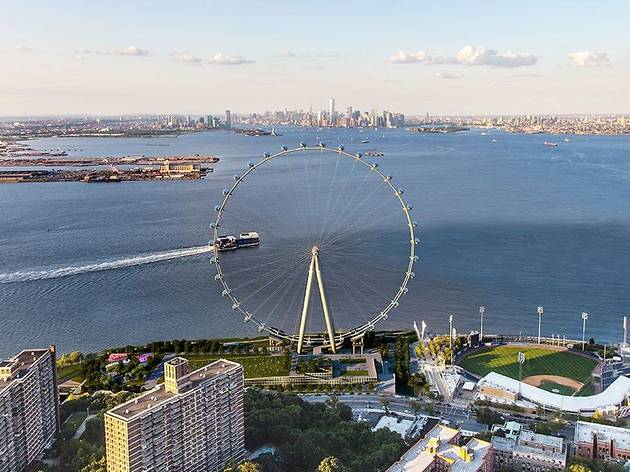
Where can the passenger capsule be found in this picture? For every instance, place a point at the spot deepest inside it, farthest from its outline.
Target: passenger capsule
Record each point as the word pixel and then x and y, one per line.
pixel 284 148
pixel 235 306
pixel 236 177
pixel 303 144
pixel 217 277
pixel 358 155
pixel 340 148
pixel 400 191
pixel 217 208
pixel 226 191
pixel 322 145
pixel 265 155
pixel 251 164
pixel 213 225
pixel 374 165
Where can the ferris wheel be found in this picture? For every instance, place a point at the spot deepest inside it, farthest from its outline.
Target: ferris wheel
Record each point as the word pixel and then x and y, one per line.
pixel 314 219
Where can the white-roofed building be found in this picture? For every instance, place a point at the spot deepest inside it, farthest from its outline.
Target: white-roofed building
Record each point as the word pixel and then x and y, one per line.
pixel 497 387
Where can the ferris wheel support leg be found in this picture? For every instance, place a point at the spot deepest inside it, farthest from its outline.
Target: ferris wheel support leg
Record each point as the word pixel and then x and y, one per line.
pixel 322 294
pixel 307 296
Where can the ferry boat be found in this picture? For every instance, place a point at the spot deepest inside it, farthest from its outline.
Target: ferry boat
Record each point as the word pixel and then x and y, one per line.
pixel 226 243
pixel 547 143
pixel 365 141
pixel 249 239
pixel 229 243
pixel 494 141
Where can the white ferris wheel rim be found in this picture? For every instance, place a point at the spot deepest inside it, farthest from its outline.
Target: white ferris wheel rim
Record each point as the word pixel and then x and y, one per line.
pixel 340 336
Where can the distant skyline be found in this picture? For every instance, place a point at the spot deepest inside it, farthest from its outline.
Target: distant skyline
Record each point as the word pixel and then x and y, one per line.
pixel 458 58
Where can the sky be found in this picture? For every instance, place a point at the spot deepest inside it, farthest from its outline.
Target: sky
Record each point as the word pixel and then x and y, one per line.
pixel 416 57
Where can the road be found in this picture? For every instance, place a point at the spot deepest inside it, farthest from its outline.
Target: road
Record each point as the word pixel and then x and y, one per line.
pixel 397 403
pixel 456 415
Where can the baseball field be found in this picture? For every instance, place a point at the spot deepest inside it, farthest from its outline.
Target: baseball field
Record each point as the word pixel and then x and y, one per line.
pixel 555 370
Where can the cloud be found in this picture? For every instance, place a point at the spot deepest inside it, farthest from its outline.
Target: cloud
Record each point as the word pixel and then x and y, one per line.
pixel 529 74
pixel 23 48
pixel 447 75
pixel 130 51
pixel 589 59
pixel 228 60
pixel 469 56
pixel 292 54
pixel 186 58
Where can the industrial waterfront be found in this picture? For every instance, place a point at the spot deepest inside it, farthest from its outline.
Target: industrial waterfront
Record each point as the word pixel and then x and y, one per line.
pixel 511 224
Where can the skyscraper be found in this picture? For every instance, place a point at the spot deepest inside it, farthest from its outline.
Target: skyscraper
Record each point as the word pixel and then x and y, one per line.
pixel 228 119
pixel 331 112
pixel 194 421
pixel 349 122
pixel 29 407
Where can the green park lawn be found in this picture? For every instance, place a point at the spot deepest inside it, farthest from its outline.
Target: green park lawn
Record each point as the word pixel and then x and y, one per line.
pixel 69 372
pixel 538 361
pixel 254 366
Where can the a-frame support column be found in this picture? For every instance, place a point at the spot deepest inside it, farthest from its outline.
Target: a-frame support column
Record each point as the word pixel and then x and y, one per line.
pixel 322 294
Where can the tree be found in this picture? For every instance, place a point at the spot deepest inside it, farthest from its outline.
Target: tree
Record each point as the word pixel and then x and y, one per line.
pixel 415 406
pixel 386 402
pixel 248 467
pixel 331 464
pixel 578 468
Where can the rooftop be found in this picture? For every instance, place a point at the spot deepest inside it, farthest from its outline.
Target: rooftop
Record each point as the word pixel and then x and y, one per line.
pixel 439 442
pixel 17 367
pixel 584 434
pixel 614 395
pixel 159 395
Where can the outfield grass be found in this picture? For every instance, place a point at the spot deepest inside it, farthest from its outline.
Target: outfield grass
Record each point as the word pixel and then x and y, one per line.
pixel 254 366
pixel 539 361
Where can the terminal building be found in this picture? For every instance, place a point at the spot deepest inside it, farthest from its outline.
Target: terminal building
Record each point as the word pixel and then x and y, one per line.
pixel 194 421
pixel 598 441
pixel 29 408
pixel 179 168
pixel 441 450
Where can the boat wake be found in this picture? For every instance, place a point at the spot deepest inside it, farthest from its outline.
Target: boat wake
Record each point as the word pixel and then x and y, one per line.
pixel 53 273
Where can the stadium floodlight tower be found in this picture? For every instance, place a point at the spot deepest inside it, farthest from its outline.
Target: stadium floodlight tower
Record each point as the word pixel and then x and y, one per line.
pixel 450 335
pixel 521 361
pixel 482 310
pixel 584 318
pixel 540 310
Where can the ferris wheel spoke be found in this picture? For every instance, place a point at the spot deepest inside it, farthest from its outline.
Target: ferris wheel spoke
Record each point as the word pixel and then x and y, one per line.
pixel 340 216
pixel 331 188
pixel 331 216
pixel 363 223
pixel 359 209
pixel 286 281
pixel 270 273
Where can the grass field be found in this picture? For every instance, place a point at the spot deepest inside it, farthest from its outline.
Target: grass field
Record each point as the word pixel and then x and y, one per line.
pixel 254 366
pixel 539 361
pixel 69 372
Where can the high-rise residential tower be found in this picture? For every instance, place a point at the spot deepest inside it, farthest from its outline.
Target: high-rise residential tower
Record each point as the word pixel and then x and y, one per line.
pixel 29 407
pixel 194 421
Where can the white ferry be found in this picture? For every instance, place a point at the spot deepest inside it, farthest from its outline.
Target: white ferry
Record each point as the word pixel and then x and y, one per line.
pixel 229 243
